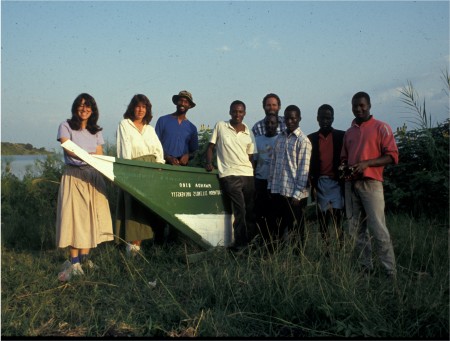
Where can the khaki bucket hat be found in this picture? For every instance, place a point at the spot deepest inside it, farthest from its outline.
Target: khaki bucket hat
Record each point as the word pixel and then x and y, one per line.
pixel 185 94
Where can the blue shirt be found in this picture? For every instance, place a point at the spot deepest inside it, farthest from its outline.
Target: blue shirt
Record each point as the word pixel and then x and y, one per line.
pixel 264 146
pixel 259 128
pixel 176 139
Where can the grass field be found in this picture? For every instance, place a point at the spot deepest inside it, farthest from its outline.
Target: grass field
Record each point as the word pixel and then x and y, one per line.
pixel 169 293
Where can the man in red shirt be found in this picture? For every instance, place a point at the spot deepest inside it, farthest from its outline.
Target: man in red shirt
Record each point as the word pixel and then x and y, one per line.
pixel 369 146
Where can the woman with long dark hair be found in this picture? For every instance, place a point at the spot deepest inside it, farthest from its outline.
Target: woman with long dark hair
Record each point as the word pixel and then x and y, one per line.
pixel 83 216
pixel 137 140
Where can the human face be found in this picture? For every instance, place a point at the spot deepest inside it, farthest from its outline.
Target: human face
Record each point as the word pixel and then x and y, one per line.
pixel 237 113
pixel 183 105
pixel 325 119
pixel 361 109
pixel 271 125
pixel 84 111
pixel 271 106
pixel 292 120
pixel 140 110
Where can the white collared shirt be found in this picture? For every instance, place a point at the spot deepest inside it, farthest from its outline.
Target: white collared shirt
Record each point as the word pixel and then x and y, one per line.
pixel 131 143
pixel 233 149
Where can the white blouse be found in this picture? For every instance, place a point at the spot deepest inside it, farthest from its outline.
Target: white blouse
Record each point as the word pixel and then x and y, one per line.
pixel 131 143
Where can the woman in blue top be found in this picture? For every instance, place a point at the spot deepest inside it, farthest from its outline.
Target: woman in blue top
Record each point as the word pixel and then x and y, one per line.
pixel 83 216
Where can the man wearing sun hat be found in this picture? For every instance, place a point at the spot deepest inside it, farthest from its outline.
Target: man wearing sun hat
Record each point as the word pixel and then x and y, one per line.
pixel 178 135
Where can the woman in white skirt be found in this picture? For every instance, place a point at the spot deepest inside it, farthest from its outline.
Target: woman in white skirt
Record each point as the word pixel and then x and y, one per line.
pixel 83 216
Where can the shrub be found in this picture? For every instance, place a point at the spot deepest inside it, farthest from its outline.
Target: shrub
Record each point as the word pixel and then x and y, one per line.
pixel 419 184
pixel 29 205
pixel 204 135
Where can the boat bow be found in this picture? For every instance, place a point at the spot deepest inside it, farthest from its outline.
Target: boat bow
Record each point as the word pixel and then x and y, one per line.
pixel 188 198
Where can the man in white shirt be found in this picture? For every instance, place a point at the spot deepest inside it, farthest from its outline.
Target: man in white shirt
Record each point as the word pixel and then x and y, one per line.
pixel 235 145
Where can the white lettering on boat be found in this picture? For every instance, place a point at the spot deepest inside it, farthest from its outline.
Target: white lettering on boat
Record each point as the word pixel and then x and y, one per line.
pixel 195 194
pixel 181 194
pixel 196 185
pixel 200 193
pixel 202 185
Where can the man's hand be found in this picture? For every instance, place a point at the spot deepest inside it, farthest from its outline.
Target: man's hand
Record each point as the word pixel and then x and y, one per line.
pixel 172 160
pixel 209 167
pixel 183 160
pixel 361 166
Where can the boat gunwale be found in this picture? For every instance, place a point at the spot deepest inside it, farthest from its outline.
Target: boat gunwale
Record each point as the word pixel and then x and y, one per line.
pixel 163 166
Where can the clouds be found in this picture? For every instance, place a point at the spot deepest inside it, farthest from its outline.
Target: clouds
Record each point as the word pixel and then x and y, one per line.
pixel 224 48
pixel 274 45
pixel 256 43
pixel 388 95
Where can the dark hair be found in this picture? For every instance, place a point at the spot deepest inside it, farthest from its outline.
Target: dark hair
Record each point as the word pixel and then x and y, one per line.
pixel 75 122
pixel 295 108
pixel 237 102
pixel 325 107
pixel 361 94
pixel 270 96
pixel 139 98
pixel 268 117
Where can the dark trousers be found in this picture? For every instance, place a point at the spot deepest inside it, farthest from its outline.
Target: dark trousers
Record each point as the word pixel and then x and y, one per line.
pixel 241 190
pixel 291 217
pixel 333 216
pixel 265 213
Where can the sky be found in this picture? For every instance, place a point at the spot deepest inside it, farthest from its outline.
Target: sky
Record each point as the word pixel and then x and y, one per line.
pixel 309 53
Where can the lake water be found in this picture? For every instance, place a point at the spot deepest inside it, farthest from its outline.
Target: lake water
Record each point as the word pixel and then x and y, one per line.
pixel 19 164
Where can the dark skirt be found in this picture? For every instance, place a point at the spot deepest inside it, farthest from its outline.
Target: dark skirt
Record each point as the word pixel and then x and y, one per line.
pixel 134 221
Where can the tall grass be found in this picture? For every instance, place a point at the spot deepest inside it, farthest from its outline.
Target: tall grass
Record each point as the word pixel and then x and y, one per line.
pixel 172 292
pixel 222 294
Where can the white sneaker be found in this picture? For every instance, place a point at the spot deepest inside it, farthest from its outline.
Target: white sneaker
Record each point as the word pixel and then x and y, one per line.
pixel 77 270
pixel 69 271
pixel 133 250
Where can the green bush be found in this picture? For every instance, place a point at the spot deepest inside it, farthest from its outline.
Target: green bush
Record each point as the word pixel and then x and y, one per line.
pixel 419 184
pixel 29 205
pixel 204 135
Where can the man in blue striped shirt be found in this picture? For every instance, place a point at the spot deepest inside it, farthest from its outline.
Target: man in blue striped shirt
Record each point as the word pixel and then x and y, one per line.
pixel 288 177
pixel 271 105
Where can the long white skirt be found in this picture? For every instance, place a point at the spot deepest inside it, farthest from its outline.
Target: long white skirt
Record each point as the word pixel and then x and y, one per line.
pixel 83 218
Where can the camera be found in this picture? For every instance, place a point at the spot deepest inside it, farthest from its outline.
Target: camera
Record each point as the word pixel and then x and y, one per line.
pixel 347 173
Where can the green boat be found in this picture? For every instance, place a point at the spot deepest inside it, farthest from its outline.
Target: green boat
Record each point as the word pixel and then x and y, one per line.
pixel 187 198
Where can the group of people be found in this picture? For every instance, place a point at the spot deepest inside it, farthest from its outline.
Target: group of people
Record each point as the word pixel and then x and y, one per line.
pixel 83 212
pixel 267 172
